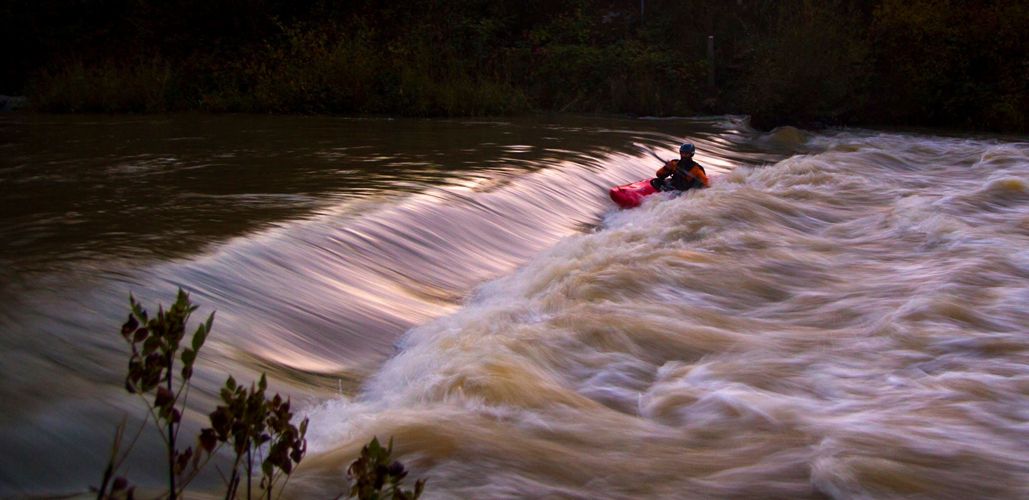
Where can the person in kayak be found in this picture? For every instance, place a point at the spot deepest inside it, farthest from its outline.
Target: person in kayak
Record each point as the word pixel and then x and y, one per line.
pixel 685 173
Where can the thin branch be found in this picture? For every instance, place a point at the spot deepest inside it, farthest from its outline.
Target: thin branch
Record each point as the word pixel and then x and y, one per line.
pixel 128 449
pixel 184 482
pixel 152 414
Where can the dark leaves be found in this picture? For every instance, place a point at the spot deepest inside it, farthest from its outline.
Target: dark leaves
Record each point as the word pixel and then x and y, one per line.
pixel 247 420
pixel 182 461
pixel 207 440
pixel 129 326
pixel 221 422
pixel 121 489
pixel 154 344
pixel 164 398
pixel 151 344
pixel 140 335
pixel 375 475
pixel 396 469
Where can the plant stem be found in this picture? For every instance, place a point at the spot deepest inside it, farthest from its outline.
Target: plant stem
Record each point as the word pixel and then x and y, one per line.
pixel 230 493
pixel 250 466
pixel 171 434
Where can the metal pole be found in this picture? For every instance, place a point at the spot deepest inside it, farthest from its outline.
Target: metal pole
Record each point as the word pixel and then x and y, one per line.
pixel 711 61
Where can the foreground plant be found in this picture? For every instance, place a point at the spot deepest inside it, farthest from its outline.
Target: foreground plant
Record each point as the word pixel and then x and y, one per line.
pixel 376 476
pixel 257 429
pixel 247 422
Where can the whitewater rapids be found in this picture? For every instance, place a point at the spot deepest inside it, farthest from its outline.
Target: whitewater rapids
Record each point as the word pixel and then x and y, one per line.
pixel 847 323
pixel 843 314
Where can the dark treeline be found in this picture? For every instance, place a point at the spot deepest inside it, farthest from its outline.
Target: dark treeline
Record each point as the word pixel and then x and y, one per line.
pixel 946 63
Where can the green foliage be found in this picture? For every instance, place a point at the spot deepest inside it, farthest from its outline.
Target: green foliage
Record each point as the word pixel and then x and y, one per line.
pixel 250 424
pixel 927 62
pixel 376 476
pixel 155 345
pixel 108 87
pixel 624 77
pixel 329 72
pixel 810 67
pixel 258 430
pixel 959 64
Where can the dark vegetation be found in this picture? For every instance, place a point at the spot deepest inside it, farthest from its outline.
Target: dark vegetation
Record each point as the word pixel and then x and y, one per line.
pixel 375 475
pixel 256 431
pixel 950 63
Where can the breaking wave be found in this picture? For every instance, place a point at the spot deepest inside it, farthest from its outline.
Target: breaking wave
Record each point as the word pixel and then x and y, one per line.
pixel 849 322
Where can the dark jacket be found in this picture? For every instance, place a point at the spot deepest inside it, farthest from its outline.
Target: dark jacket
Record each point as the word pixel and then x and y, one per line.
pixel 684 178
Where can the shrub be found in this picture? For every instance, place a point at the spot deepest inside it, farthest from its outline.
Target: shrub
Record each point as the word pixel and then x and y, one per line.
pixel 109 87
pixel 258 430
pixel 375 475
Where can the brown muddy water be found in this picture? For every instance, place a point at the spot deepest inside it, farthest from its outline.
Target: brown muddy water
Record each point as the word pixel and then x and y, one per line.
pixel 842 314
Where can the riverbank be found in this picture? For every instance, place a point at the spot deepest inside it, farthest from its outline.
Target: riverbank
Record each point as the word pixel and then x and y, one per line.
pixel 813 64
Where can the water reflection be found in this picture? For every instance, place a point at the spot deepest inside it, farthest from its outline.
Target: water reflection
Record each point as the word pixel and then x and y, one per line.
pixel 319 241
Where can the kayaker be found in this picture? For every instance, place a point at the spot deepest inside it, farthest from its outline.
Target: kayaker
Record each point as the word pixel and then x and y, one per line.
pixel 684 172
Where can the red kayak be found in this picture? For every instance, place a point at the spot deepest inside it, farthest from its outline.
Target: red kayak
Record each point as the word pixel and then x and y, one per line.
pixel 631 195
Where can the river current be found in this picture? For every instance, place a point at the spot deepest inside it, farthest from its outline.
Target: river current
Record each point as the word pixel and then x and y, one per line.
pixel 842 314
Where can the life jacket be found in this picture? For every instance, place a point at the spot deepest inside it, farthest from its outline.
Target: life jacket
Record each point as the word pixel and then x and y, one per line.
pixel 684 178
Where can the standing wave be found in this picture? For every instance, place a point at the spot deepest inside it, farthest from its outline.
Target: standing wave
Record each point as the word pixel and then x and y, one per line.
pixel 849 323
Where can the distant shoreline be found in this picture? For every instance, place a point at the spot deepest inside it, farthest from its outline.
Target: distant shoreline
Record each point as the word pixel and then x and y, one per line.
pixel 938 130
pixel 880 63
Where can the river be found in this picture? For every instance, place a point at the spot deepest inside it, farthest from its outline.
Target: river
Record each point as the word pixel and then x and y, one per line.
pixel 842 314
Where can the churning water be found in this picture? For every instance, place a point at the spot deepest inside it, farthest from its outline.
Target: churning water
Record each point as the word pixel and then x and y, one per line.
pixel 840 315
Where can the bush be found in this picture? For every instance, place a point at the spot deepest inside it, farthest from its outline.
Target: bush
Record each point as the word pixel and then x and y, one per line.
pixel 109 87
pixel 939 62
pixel 375 475
pixel 921 62
pixel 811 67
pixel 256 429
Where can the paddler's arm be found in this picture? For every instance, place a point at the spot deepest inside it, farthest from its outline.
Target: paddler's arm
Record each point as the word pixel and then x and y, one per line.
pixel 667 170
